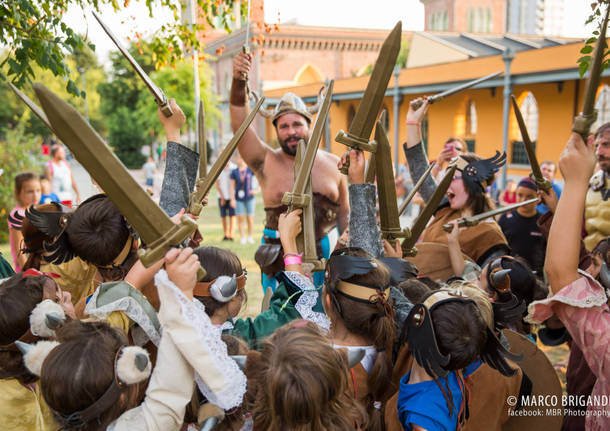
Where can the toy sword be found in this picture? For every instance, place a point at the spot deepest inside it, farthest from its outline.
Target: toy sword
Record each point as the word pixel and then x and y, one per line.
pixel 361 127
pixel 35 109
pixel 408 244
pixel 440 96
pixel 369 173
pixel 204 184
pixel 416 188
pixel 582 123
pixel 157 93
pixel 536 174
pixel 386 188
pixel 155 228
pixel 203 147
pixel 301 195
pixel 475 220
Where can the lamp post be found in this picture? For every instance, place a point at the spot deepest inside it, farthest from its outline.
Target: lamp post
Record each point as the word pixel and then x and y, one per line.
pixel 507 57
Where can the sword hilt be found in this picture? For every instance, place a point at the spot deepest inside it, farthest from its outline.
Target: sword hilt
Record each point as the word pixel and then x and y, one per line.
pixel 165 107
pixel 345 168
pixel 409 252
pixel 172 238
pixel 431 100
pixel 356 143
pixel 392 234
pixel 542 184
pixel 582 124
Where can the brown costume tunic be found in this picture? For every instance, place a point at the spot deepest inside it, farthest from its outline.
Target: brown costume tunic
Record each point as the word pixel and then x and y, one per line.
pixel 477 242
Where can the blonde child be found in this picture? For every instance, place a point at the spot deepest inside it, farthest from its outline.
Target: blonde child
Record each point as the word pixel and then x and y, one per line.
pixel 27 193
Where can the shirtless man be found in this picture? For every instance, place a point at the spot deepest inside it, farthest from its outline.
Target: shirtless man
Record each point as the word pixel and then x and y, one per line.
pixel 274 168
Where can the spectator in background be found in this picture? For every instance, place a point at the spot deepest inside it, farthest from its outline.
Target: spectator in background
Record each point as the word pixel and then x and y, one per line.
pixel 242 178
pixel 60 175
pixel 549 169
pixel 521 229
pixel 150 169
pixel 510 194
pixel 45 188
pixel 453 147
pixel 404 185
pixel 226 200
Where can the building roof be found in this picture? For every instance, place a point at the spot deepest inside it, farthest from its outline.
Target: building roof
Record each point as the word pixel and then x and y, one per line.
pixel 296 36
pixel 549 64
pixel 481 45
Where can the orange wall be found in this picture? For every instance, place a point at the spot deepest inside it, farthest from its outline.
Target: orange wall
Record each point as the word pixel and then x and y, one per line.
pixel 555 114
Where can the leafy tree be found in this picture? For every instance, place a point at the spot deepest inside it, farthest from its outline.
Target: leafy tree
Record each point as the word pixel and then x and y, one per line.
pixel 35 33
pixel 19 152
pixel 598 10
pixel 126 90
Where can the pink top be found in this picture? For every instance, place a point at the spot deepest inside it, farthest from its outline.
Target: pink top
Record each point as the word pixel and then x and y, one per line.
pixel 14 218
pixel 583 309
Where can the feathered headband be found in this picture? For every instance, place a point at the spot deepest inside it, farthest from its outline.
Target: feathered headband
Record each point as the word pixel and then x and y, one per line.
pixel 419 333
pixel 477 174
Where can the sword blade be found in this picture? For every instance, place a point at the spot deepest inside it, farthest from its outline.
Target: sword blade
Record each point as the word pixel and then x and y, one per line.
pixel 34 107
pixel 474 220
pixel 314 140
pixel 428 211
pixel 362 125
pixel 206 183
pixel 203 147
pixel 541 182
pixel 582 123
pixel 91 151
pixel 388 205
pixel 157 93
pixel 440 96
pixel 416 188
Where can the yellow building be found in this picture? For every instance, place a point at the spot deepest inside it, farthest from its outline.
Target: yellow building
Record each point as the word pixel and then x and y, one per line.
pixel 544 80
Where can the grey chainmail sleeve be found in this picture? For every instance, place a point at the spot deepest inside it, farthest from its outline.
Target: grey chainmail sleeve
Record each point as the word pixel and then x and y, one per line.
pixel 179 180
pixel 363 229
pixel 418 163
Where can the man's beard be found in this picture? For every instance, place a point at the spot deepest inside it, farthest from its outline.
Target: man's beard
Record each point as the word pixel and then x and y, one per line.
pixel 290 150
pixel 604 163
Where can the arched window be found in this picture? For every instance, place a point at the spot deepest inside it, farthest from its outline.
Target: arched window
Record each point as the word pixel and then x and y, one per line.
pixel 471 125
pixel 470 20
pixel 602 104
pixel 351 113
pixel 529 109
pixel 488 20
pixel 386 123
pixel 308 74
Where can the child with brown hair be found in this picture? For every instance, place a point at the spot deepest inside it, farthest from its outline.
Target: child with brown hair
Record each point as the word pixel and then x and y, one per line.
pixel 89 378
pixel 356 297
pixel 300 382
pixel 27 300
pixel 27 193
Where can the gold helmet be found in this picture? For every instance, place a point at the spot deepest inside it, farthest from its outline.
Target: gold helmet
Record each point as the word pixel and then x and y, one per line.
pixel 291 103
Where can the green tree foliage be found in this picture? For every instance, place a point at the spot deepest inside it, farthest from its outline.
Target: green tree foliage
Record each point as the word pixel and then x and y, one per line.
pixel 130 110
pixel 598 10
pixel 86 69
pixel 19 152
pixel 36 35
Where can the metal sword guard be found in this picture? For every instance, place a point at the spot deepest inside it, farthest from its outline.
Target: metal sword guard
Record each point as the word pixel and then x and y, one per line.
pixel 155 251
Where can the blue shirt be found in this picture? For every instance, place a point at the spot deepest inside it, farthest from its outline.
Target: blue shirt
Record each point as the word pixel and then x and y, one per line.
pixel 424 405
pixel 51 197
pixel 542 208
pixel 243 184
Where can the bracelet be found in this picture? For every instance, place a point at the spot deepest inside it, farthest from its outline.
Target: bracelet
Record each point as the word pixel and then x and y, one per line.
pixel 293 260
pixel 293 254
pixel 414 123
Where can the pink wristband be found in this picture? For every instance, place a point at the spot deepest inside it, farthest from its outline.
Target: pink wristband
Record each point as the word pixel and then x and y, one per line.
pixel 293 260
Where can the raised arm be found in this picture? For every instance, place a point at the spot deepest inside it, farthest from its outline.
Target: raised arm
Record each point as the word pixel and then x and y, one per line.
pixel 576 164
pixel 251 148
pixel 414 150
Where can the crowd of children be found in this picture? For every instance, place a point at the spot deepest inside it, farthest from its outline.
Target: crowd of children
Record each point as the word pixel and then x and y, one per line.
pixel 90 339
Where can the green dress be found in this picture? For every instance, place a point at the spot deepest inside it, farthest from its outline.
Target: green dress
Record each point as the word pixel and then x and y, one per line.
pixel 294 298
pixel 6 270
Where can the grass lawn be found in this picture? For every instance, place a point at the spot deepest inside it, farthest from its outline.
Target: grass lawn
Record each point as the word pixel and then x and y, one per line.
pixel 211 228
